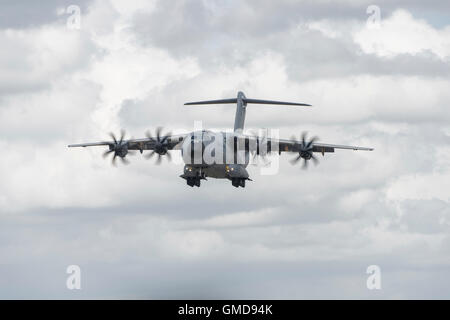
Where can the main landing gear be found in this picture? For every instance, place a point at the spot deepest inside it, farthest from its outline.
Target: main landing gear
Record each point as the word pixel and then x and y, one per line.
pixel 238 182
pixel 193 176
pixel 193 181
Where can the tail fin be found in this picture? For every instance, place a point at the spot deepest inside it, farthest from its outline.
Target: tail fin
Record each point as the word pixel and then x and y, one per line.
pixel 241 102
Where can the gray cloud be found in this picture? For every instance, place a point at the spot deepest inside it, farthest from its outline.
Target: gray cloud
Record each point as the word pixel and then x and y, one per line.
pixel 26 14
pixel 140 232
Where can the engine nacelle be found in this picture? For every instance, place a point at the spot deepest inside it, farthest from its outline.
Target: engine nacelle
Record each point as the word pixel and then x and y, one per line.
pixel 120 150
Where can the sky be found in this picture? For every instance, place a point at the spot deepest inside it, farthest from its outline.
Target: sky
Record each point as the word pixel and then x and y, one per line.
pixel 139 232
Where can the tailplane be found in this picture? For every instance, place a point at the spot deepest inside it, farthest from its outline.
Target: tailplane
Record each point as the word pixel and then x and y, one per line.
pixel 241 104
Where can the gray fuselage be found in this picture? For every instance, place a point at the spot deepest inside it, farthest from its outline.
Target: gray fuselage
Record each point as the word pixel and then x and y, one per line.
pixel 216 154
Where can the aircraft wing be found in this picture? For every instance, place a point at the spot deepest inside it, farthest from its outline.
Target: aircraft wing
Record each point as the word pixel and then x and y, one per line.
pixel 173 142
pixel 293 145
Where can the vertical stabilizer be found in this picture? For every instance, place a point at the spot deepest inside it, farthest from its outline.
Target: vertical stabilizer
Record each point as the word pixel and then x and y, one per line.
pixel 239 119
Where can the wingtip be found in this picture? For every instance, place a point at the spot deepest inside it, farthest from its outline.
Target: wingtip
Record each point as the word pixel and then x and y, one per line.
pixel 74 146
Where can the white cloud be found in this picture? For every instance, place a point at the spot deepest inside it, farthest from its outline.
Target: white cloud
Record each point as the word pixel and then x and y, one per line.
pixel 421 187
pixel 310 231
pixel 402 33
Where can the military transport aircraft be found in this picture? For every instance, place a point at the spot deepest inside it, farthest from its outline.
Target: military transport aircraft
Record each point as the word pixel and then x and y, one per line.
pixel 222 155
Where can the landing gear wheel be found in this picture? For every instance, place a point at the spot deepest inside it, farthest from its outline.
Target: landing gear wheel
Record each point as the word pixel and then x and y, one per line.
pixel 238 182
pixel 193 182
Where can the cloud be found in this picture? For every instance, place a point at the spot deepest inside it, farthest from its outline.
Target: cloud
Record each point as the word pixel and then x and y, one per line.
pixel 401 33
pixel 36 57
pixel 296 234
pixel 29 15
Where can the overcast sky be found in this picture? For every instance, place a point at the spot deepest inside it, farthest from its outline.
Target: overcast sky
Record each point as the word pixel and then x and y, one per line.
pixel 139 231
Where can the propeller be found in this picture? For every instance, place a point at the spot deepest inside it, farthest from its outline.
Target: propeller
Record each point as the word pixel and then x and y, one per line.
pixel 119 149
pixel 161 146
pixel 306 151
pixel 260 151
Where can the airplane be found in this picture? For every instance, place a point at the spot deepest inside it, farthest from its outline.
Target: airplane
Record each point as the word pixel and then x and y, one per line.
pixel 220 155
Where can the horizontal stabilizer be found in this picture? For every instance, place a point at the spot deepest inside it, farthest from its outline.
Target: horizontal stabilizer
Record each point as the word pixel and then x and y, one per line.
pixel 247 100
pixel 233 100
pixel 241 102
